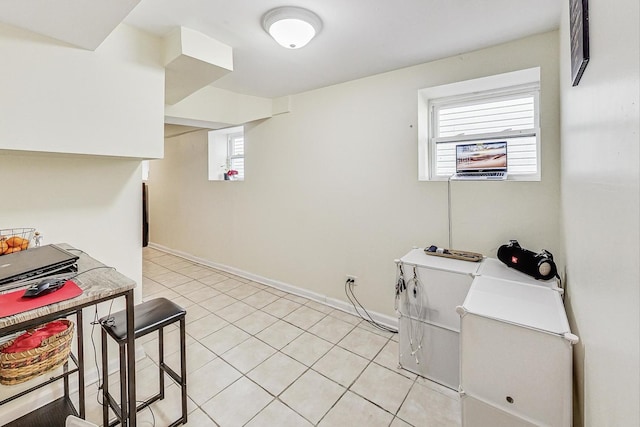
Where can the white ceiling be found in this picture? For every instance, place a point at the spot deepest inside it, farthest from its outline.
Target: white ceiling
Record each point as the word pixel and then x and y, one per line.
pixel 359 37
pixel 78 22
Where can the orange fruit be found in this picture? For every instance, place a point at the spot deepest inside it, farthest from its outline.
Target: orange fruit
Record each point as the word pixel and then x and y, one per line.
pixel 11 250
pixel 16 242
pixel 3 246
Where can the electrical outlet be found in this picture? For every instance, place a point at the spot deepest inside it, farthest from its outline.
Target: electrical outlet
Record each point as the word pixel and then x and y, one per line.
pixel 352 278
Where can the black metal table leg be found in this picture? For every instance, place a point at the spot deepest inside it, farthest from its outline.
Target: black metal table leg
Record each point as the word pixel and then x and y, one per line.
pixel 81 396
pixel 105 379
pixel 131 358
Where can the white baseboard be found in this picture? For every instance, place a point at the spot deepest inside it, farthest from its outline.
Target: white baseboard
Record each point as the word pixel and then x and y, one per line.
pixel 338 304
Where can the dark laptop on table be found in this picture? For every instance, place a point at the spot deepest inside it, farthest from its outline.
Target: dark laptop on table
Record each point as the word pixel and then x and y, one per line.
pixel 481 161
pixel 43 261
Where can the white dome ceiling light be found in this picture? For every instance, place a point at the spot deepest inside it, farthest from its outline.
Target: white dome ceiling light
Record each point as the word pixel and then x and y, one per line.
pixel 292 27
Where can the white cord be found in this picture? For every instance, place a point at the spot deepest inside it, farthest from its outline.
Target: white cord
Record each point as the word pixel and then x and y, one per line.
pixel 416 333
pixel 400 285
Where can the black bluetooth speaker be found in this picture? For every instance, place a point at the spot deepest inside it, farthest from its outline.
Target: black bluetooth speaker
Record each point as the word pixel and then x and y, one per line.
pixel 539 266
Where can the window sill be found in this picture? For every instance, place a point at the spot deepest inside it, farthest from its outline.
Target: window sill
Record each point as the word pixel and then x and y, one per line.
pixel 512 178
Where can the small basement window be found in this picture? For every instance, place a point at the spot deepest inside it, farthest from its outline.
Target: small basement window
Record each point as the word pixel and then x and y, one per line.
pixel 226 154
pixel 235 150
pixel 480 111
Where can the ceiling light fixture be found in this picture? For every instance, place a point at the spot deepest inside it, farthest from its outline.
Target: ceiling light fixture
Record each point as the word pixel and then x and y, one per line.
pixel 292 27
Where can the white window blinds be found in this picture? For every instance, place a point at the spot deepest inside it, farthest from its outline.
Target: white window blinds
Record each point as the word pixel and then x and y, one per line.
pixel 505 115
pixel 486 117
pixel 236 153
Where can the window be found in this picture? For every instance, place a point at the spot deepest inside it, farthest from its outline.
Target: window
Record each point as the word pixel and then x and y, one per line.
pixel 226 154
pixel 235 150
pixel 458 114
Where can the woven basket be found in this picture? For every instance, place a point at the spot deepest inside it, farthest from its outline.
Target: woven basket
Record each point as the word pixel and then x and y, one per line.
pixel 16 368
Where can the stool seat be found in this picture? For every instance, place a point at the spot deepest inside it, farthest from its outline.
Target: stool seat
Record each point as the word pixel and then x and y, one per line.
pixel 149 316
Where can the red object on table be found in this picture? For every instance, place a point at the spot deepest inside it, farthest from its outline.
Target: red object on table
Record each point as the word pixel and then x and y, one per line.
pixel 13 302
pixel 32 339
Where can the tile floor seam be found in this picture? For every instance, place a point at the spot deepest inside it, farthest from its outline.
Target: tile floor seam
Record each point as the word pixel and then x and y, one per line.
pixel 363 397
pixel 403 399
pixel 266 312
pixel 307 368
pixel 348 389
pixel 332 406
pixel 285 404
pixel 277 397
pixel 274 397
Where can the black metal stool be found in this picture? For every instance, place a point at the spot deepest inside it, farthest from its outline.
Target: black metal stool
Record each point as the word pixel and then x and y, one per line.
pixel 150 316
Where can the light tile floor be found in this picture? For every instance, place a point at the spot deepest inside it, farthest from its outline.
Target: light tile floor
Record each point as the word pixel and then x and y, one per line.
pixel 258 356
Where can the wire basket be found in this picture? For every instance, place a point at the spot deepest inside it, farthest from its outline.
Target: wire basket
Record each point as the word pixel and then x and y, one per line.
pixel 16 368
pixel 15 239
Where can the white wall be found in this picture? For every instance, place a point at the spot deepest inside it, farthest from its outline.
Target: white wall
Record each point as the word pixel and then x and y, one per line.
pixel 331 188
pixel 92 203
pixel 59 99
pixel 601 215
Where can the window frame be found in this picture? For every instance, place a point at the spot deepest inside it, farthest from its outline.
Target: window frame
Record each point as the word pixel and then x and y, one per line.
pixel 231 152
pixel 218 153
pixel 501 86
